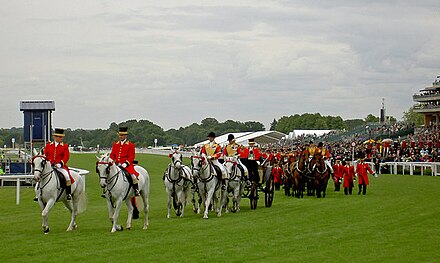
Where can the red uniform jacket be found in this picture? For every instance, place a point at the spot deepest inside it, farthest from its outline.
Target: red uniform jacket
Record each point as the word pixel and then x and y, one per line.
pixel 58 154
pixel 338 171
pixel 348 174
pixel 361 170
pixel 124 153
pixel 245 153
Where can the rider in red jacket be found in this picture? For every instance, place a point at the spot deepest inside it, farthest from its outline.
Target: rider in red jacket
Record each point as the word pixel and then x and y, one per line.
pixel 57 153
pixel 123 154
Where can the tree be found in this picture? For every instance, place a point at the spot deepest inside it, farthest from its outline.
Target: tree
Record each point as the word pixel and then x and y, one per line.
pixel 273 125
pixel 371 118
pixel 411 116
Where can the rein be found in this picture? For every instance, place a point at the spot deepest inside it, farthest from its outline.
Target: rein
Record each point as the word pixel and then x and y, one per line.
pixel 113 178
pixel 201 171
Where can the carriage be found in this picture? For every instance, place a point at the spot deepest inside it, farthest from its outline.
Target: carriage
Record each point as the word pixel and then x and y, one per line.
pixel 265 185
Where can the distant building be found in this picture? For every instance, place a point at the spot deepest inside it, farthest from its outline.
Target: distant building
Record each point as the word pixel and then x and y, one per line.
pixel 429 102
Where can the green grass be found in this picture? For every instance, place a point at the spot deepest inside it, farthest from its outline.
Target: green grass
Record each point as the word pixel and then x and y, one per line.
pixel 397 221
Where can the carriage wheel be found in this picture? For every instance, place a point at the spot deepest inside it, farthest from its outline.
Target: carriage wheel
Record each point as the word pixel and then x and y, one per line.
pixel 269 192
pixel 254 195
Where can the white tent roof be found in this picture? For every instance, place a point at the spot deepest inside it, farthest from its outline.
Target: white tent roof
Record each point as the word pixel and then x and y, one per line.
pixel 261 137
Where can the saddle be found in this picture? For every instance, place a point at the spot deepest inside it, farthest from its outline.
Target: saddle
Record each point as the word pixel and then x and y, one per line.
pixel 218 171
pixel 63 179
pixel 127 175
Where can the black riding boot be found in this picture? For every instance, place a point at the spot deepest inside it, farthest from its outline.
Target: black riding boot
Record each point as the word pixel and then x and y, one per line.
pixel 345 190
pixel 360 189
pixel 364 192
pixel 69 192
pixel 350 190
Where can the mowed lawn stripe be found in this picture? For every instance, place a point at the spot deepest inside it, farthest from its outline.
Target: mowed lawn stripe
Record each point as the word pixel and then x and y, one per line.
pixel 396 221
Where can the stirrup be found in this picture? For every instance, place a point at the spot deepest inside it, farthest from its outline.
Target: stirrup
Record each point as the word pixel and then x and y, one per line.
pixel 69 197
pixel 137 192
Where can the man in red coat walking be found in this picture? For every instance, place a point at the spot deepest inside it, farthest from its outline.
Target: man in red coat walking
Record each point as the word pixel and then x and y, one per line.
pixel 348 175
pixel 57 153
pixel 123 154
pixel 338 169
pixel 361 171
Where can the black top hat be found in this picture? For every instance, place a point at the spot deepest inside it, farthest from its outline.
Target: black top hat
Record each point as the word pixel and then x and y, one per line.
pixel 123 131
pixel 251 140
pixel 59 132
pixel 231 137
pixel 320 144
pixel 211 134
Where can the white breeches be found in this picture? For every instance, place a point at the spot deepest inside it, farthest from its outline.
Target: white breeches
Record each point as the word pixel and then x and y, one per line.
pixel 225 174
pixel 64 173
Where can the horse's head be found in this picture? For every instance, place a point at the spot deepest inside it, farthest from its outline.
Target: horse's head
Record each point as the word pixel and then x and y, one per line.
pixel 103 166
pixel 197 162
pixel 39 164
pixel 176 159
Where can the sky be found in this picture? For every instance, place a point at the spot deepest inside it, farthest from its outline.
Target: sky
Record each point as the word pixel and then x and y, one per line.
pixel 177 62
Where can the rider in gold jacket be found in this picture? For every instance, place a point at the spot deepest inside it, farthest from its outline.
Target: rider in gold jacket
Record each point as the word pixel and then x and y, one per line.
pixel 231 149
pixel 213 151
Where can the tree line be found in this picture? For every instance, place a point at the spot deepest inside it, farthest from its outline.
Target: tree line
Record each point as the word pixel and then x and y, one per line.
pixel 144 132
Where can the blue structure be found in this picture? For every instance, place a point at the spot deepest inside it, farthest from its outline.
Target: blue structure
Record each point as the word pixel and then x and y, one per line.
pixel 37 120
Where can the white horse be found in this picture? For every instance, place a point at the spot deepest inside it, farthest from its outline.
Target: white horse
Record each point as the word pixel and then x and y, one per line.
pixel 49 191
pixel 235 184
pixel 118 189
pixel 177 180
pixel 207 182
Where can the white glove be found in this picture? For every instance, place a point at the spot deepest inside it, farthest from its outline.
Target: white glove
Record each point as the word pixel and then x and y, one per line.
pixel 58 165
pixel 124 165
pixel 209 157
pixel 258 162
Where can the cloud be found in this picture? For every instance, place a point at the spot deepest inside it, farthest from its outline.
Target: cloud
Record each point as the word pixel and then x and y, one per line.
pixel 177 62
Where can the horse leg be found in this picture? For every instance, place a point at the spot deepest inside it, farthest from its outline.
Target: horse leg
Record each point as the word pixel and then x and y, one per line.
pixel 73 209
pixel 178 196
pixel 45 214
pixel 110 210
pixel 145 197
pixel 219 197
pixel 235 199
pixel 206 200
pixel 115 226
pixel 169 203
pixel 130 209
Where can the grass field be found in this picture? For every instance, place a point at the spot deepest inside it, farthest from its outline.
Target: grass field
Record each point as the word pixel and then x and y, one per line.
pixel 397 221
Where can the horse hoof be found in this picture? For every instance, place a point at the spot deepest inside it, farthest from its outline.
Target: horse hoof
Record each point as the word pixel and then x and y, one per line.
pixel 46 230
pixel 128 228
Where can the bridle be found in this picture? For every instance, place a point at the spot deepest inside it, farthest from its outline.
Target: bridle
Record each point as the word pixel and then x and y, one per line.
pixel 174 162
pixel 43 164
pixel 107 174
pixel 201 168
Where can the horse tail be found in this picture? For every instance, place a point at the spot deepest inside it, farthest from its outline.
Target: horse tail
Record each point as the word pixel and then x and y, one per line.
pixel 82 203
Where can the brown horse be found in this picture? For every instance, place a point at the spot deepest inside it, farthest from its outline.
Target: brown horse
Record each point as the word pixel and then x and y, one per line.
pixel 299 171
pixel 321 173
